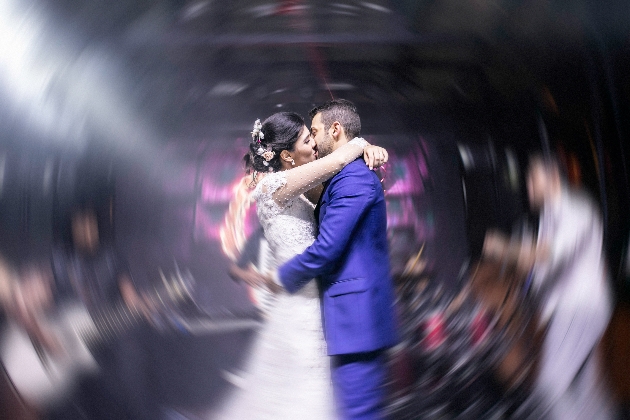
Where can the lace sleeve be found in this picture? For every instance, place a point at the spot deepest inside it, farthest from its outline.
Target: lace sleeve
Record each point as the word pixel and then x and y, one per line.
pixel 267 208
pixel 303 178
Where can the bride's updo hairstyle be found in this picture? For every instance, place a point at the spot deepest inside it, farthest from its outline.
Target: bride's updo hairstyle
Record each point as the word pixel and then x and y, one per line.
pixel 278 132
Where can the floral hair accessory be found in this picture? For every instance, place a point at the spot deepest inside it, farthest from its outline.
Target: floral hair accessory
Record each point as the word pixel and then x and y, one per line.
pixel 257 134
pixel 266 153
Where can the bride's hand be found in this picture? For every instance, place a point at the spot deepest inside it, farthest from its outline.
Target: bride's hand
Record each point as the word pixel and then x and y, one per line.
pixel 271 285
pixel 255 279
pixel 375 156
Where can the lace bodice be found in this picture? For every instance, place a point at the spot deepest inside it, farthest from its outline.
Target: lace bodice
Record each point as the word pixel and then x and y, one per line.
pixel 289 228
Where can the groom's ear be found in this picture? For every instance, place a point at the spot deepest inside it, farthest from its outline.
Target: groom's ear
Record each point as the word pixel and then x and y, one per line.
pixel 336 130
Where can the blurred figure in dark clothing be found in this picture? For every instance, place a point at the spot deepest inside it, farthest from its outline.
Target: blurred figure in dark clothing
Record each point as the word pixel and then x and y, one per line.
pixel 96 275
pixel 241 269
pixel 90 271
pixel 253 260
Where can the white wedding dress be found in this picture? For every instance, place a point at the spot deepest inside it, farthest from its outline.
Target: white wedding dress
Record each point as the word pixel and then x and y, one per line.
pixel 288 374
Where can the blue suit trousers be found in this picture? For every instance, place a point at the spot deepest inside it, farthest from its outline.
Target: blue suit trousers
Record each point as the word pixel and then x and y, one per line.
pixel 359 384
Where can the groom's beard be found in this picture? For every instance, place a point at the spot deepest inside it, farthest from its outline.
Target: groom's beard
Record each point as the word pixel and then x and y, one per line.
pixel 325 147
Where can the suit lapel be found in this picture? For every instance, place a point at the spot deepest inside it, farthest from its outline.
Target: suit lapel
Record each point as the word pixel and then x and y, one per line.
pixel 319 202
pixel 320 287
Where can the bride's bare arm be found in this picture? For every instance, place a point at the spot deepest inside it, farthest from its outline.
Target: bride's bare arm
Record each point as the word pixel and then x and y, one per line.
pixel 304 177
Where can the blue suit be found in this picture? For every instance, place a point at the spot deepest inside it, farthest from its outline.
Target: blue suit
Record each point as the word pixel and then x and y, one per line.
pixel 350 259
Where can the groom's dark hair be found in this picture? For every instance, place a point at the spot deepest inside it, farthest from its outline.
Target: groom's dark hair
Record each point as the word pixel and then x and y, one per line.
pixel 342 111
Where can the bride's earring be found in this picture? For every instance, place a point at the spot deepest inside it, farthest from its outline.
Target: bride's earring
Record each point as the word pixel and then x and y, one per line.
pixel 292 162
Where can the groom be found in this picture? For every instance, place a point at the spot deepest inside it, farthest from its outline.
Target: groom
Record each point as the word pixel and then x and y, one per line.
pixel 350 260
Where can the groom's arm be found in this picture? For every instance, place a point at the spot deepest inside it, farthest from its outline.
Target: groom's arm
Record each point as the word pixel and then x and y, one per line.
pixel 351 192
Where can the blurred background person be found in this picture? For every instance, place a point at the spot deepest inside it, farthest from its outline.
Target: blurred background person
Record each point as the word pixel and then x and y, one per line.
pixel 93 273
pixel 254 259
pixel 6 280
pixel 569 275
pixel 24 294
pixel 20 304
pixel 249 256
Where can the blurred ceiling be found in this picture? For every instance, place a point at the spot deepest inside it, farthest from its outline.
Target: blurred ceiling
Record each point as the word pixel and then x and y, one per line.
pixel 196 66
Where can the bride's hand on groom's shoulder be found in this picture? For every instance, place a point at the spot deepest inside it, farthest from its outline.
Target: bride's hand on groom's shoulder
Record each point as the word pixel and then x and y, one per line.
pixel 375 156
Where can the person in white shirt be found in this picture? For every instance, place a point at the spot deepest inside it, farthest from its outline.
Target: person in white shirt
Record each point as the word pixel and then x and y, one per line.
pixel 570 277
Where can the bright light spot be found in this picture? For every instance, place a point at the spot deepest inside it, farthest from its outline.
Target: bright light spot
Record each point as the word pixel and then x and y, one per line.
pixel 376 7
pixel 340 86
pixel 195 10
pixel 59 91
pixel 227 89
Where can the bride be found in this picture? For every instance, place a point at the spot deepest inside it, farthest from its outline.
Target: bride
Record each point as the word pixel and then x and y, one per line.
pixel 287 375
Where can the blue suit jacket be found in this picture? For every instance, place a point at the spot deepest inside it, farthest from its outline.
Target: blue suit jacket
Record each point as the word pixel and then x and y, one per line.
pixel 350 259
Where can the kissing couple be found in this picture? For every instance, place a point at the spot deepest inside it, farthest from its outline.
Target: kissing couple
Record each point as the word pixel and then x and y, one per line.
pixel 321 353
